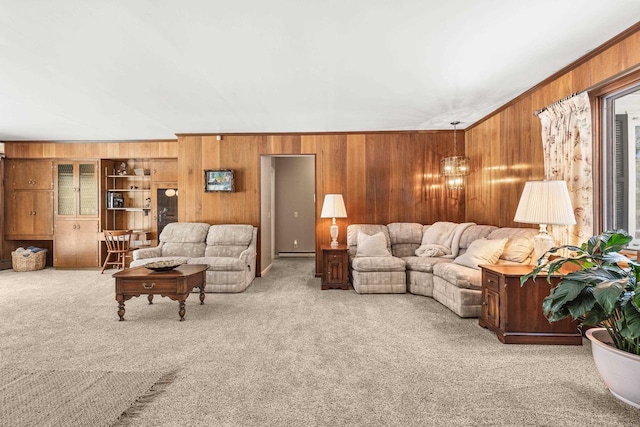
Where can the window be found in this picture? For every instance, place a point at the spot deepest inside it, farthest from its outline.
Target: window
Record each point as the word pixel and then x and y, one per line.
pixel 621 161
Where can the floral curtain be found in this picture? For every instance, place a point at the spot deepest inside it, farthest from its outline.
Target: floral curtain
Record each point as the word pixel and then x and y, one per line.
pixel 567 147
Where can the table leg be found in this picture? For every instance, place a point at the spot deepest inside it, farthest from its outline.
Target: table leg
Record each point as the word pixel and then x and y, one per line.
pixel 181 310
pixel 202 293
pixel 121 310
pixel 150 298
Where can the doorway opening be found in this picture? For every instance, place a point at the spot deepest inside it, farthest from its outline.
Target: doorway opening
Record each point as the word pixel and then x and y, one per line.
pixel 287 208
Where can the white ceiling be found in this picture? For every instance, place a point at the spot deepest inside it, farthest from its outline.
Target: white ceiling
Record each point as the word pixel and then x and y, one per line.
pixel 148 69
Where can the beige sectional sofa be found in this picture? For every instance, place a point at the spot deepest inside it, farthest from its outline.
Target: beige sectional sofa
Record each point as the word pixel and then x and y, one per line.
pixel 451 279
pixel 374 274
pixel 229 251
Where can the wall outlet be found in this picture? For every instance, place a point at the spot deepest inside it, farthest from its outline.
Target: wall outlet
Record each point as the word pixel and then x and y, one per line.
pixel 295 243
pixel 295 214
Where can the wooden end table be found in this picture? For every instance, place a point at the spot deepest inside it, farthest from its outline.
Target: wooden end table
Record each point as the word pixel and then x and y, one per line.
pixel 514 312
pixel 175 284
pixel 335 267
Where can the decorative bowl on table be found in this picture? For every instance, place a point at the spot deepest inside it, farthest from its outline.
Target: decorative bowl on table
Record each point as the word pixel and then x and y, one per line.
pixel 165 265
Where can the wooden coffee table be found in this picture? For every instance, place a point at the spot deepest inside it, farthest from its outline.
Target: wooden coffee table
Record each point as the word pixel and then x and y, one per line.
pixel 174 284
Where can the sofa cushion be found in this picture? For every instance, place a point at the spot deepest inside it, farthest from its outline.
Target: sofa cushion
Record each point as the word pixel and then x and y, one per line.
pixel 354 229
pixel 184 232
pixel 372 246
pixel 520 243
pixel 188 249
pixel 475 232
pixel 424 264
pixel 389 263
pixel 405 238
pixel 481 251
pixel 228 240
pixel 183 239
pixel 458 275
pixel 219 263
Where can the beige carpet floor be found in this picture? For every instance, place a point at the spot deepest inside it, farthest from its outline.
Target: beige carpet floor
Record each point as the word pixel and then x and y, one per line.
pixel 285 353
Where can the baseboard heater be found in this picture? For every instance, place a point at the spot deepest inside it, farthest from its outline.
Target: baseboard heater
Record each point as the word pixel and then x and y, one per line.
pixel 296 254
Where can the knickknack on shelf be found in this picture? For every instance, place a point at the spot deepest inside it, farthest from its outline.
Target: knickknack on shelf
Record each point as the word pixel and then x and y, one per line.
pixel 218 180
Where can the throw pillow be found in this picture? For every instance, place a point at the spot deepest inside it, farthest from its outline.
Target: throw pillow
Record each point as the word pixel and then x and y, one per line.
pixel 517 249
pixel 520 244
pixel 372 246
pixel 481 251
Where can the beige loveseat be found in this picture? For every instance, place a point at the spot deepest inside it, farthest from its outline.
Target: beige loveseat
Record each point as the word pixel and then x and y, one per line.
pixel 229 251
pixel 451 279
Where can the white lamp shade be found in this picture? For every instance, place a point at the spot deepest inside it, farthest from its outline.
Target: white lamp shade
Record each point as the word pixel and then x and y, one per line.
pixel 545 202
pixel 333 207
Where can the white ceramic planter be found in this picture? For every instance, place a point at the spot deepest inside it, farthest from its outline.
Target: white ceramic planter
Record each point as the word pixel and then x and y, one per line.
pixel 619 370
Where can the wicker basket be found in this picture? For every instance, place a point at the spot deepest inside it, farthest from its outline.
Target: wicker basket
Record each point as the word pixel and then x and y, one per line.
pixel 33 262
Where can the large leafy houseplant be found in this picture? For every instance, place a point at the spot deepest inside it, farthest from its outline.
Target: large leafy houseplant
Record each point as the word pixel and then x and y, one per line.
pixel 601 290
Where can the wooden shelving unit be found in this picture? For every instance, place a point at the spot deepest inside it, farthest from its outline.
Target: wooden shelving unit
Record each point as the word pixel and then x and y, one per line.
pixel 126 198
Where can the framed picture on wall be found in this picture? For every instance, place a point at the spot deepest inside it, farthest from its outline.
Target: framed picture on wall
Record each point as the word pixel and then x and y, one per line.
pixel 218 180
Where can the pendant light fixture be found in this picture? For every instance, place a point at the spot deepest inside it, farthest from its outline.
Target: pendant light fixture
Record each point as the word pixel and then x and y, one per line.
pixel 454 169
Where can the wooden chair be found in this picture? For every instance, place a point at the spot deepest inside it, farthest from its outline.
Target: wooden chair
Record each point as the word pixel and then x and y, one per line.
pixel 118 245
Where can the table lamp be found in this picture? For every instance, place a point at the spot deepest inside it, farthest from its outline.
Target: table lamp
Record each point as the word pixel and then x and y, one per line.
pixel 333 207
pixel 545 202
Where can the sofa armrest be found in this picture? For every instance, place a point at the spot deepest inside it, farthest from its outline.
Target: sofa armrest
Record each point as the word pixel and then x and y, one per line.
pixel 143 253
pixel 248 256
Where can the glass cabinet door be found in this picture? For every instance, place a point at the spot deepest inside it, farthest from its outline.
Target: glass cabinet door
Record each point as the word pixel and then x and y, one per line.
pixel 77 189
pixel 88 189
pixel 66 189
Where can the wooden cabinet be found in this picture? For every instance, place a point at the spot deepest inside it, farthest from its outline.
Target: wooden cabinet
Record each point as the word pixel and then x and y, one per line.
pixel 29 215
pixel 76 243
pixel 491 299
pixel 165 170
pixel 28 200
pixel 514 312
pixel 76 189
pixel 28 174
pixel 335 267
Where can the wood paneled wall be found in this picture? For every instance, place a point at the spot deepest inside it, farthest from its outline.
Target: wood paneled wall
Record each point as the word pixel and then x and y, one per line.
pixel 92 150
pixel 76 150
pixel 384 177
pixel 506 148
